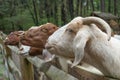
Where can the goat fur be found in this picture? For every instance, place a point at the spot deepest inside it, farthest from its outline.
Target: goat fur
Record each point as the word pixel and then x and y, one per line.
pixel 36 38
pixel 89 44
pixel 13 39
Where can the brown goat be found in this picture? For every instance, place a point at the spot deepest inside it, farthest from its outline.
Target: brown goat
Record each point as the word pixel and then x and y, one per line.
pixel 13 39
pixel 36 37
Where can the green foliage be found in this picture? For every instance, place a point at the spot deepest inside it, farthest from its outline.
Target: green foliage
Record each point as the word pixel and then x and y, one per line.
pixel 26 13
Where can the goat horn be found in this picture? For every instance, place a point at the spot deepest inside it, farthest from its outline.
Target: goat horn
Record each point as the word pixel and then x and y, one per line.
pixel 22 32
pixel 98 22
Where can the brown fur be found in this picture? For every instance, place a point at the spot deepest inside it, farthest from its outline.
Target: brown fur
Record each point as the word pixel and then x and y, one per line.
pixel 13 39
pixel 37 37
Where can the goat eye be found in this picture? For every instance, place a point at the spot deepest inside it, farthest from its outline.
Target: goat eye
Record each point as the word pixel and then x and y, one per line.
pixel 30 36
pixel 69 30
pixel 44 30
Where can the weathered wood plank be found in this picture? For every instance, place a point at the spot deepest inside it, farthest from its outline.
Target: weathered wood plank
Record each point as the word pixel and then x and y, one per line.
pixel 26 69
pixel 77 72
pixel 82 74
pixel 57 74
pixel 51 71
pixel 15 71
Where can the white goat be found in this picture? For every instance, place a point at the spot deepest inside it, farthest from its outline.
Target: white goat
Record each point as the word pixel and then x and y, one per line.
pixel 83 40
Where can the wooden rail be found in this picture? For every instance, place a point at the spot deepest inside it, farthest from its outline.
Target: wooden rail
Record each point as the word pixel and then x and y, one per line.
pixel 22 68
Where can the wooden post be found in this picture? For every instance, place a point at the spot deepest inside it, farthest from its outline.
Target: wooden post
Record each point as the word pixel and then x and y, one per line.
pixel 24 66
pixel 26 69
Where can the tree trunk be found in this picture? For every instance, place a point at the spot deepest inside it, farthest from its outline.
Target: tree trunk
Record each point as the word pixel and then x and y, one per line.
pixel 35 12
pixel 115 7
pixel 78 7
pixel 109 6
pixel 55 12
pixel 63 12
pixel 31 13
pixel 92 5
pixel 102 2
pixel 87 6
pixel 71 8
pixel 81 7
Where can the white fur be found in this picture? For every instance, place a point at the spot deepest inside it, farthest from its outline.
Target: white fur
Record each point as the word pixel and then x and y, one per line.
pixel 117 36
pixel 100 48
pixel 90 45
pixel 63 62
pixel 24 50
pixel 47 55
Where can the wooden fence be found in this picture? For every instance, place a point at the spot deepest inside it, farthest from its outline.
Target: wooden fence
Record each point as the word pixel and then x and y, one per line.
pixel 20 67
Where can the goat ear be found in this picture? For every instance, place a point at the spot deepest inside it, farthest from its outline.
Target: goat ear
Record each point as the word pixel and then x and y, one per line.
pixel 78 47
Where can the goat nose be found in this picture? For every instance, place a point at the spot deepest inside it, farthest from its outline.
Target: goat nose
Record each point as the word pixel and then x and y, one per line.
pixel 21 48
pixel 48 46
